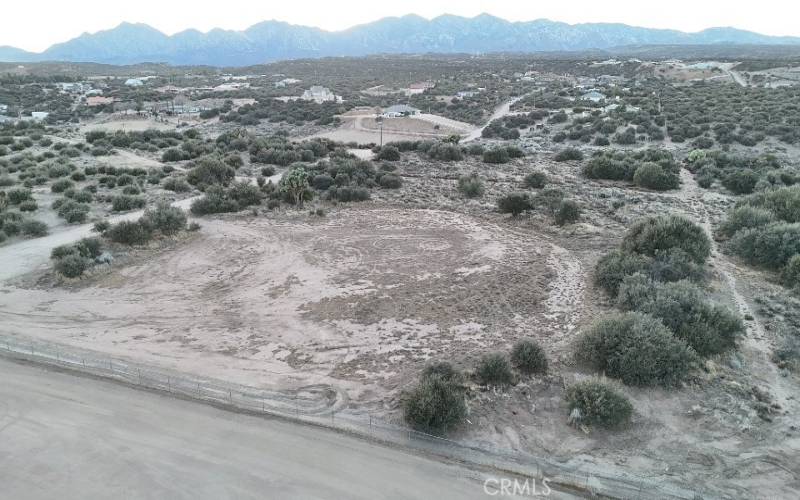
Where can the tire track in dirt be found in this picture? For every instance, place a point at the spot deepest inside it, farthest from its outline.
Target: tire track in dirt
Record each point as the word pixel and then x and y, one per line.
pixel 756 338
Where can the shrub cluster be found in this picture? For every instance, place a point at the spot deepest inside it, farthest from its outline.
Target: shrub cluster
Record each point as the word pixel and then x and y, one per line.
pixel 636 348
pixel 598 403
pixel 437 403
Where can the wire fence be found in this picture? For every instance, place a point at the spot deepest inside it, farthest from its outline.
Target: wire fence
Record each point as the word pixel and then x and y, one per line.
pixel 317 406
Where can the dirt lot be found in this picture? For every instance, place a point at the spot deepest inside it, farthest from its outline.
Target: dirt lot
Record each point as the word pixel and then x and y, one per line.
pixel 362 296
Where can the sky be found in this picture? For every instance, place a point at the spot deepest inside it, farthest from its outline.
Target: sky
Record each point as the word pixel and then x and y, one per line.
pixel 36 24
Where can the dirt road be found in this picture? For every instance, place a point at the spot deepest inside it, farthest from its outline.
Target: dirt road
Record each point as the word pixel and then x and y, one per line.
pixel 499 112
pixel 64 436
pixel 30 255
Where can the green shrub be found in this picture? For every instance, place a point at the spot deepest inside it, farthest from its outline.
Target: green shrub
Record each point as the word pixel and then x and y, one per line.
pixel 28 206
pixel 636 348
pixel 165 218
pixel 784 203
pixel 130 232
pixel 535 180
pixel 123 203
pixel 471 185
pixel 598 403
pixel 615 266
pixel 435 405
pixel 514 204
pixel 33 228
pixel 176 184
pixel 445 151
pixel 652 176
pixel 569 154
pixel 674 265
pixel 245 194
pixel 210 171
pixel 745 217
pixel 664 232
pixel 18 195
pixel 215 201
pixel 770 246
pixel 528 357
pixel 322 182
pixel 790 275
pixel 390 181
pixel 740 181
pixel 71 265
pixel 494 369
pixel 707 328
pixel 389 153
pixel 172 154
pixel 496 155
pixel 568 212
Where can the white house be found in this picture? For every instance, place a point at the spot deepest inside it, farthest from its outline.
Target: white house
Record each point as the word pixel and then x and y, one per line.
pixel 319 94
pixel 3 109
pixel 134 82
pixel 593 96
pixel 39 115
pixel 399 110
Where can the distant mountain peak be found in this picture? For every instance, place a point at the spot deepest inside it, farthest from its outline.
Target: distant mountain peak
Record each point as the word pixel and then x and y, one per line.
pixel 271 40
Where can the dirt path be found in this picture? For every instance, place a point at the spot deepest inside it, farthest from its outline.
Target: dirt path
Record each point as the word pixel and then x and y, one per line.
pixel 756 339
pixel 499 112
pixel 29 255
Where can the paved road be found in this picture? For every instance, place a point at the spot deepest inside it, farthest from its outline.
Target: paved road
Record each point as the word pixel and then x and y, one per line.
pixel 64 436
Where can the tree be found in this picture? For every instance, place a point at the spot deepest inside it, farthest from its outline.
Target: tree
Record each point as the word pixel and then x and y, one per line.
pixel 295 183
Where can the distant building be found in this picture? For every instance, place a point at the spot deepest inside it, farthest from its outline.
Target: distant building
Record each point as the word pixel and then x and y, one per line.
pixel 465 93
pixel 399 110
pixel 227 87
pixel 3 109
pixel 320 94
pixel 286 81
pixel 134 82
pixel 593 96
pixel 420 87
pixel 39 115
pixel 99 101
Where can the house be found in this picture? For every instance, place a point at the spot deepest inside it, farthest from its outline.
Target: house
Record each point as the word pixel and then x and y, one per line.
pixel 39 115
pixel 99 101
pixel 465 94
pixel 593 96
pixel 419 87
pixel 228 87
pixel 134 82
pixel 3 109
pixel 320 94
pixel 285 82
pixel 399 110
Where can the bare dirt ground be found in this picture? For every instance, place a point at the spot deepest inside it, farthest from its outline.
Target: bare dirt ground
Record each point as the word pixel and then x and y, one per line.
pixel 362 297
pixel 364 129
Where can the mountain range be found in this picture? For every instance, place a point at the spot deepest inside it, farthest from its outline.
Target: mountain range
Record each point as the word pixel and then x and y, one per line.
pixel 274 40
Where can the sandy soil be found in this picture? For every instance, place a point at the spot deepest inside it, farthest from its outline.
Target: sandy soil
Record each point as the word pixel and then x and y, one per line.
pixel 364 129
pixel 358 299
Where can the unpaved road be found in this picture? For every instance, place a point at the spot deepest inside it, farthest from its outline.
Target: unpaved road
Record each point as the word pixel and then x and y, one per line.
pixel 29 255
pixel 64 436
pixel 499 112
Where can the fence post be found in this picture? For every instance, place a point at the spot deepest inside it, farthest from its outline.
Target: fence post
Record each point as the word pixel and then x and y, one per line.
pixel 198 389
pixel 169 385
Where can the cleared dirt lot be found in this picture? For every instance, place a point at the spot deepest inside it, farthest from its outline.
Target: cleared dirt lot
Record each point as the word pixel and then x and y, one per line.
pixel 359 298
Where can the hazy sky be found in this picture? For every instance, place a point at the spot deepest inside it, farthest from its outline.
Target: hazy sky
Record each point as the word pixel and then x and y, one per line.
pixel 36 24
